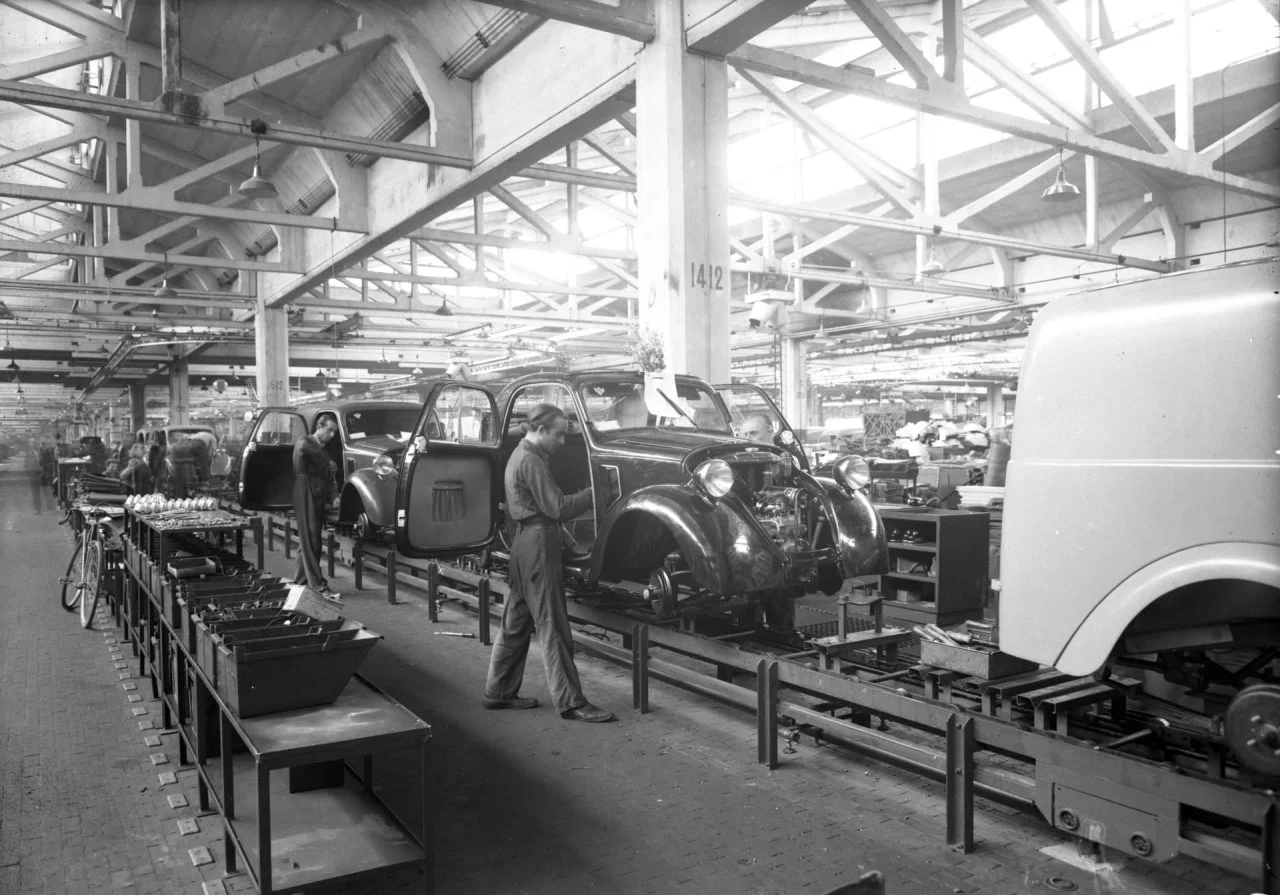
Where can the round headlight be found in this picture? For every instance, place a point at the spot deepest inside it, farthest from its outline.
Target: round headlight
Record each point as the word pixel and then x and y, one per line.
pixel 852 472
pixel 384 465
pixel 715 477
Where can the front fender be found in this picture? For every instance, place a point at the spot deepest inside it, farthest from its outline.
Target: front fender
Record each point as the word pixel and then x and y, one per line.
pixel 859 532
pixel 377 494
pixel 726 551
pixel 1087 648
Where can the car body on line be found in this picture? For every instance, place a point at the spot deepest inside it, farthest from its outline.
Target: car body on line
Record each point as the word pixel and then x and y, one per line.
pixel 683 507
pixel 367 429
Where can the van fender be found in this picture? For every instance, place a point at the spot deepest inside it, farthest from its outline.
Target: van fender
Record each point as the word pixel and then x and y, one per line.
pixel 1091 644
pixel 727 550
pixel 376 492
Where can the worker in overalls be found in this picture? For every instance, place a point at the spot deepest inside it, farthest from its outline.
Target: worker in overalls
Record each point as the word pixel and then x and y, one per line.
pixel 536 602
pixel 313 475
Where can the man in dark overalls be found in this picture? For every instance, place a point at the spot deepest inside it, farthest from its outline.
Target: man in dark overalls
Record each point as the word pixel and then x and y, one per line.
pixel 313 473
pixel 536 601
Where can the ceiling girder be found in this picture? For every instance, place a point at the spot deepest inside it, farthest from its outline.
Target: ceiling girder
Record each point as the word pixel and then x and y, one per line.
pixel 947 102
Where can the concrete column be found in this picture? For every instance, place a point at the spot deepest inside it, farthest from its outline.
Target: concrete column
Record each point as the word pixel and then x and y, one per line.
pixel 179 393
pixel 137 407
pixel 683 196
pixel 271 349
pixel 995 405
pixel 795 407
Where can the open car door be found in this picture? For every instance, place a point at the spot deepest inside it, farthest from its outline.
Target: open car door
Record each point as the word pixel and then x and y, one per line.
pixel 748 403
pixel 451 476
pixel 266 467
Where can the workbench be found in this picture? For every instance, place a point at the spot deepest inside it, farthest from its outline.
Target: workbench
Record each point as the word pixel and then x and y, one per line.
pixel 288 840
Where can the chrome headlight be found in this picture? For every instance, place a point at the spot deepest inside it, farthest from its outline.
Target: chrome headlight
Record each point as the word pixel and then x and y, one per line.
pixel 384 465
pixel 715 477
pixel 852 472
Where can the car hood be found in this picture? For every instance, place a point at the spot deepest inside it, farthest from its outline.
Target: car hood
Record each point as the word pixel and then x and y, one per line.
pixel 684 444
pixel 374 445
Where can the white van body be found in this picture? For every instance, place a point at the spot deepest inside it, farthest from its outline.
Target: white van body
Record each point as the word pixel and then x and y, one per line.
pixel 1142 506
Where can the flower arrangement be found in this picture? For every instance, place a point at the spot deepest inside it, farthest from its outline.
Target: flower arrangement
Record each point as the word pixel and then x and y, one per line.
pixel 646 349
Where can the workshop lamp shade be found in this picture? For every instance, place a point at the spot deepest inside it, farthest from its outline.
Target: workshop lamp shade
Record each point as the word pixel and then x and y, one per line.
pixel 1061 190
pixel 257 186
pixel 443 310
pixel 932 266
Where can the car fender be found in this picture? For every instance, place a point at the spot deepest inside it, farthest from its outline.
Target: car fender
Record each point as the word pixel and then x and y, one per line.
pixel 377 492
pixel 859 533
pixel 727 551
pixel 1092 642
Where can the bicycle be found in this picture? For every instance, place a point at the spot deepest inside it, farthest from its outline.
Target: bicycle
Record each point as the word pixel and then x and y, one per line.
pixel 82 583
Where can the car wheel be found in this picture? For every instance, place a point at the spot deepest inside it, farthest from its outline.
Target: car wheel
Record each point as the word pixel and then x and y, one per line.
pixel 363 528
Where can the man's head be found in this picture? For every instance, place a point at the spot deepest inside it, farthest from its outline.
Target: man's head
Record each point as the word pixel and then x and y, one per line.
pixel 136 452
pixel 326 428
pixel 631 412
pixel 547 426
pixel 757 427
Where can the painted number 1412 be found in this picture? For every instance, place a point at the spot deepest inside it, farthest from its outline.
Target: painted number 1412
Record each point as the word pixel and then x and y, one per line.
pixel 706 276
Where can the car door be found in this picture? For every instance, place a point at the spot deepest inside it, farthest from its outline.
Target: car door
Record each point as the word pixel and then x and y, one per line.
pixel 745 401
pixel 266 467
pixel 451 476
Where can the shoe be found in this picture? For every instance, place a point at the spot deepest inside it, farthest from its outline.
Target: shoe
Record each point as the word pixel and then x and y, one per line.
pixel 331 595
pixel 588 713
pixel 515 702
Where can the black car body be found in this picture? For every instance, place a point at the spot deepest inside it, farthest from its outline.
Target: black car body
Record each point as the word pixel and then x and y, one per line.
pixel 367 429
pixel 683 507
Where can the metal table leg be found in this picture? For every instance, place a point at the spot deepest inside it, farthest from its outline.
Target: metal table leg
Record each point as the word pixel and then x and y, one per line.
pixel 264 830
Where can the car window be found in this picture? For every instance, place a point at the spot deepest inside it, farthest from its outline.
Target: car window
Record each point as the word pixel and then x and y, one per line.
pixel 463 415
pixel 391 422
pixel 529 397
pixel 279 427
pixel 753 416
pixel 613 405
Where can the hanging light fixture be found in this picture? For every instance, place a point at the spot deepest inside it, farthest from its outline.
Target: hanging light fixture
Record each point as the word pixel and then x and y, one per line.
pixel 932 266
pixel 165 291
pixel 257 186
pixel 1061 190
pixel 443 310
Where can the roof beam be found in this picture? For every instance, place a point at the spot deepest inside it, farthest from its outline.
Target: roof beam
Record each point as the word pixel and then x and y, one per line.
pixel 129 254
pixel 507 242
pixel 716 27
pixel 287 68
pixel 150 199
pixel 799 212
pixel 895 40
pixel 89 104
pixel 630 19
pixel 1142 120
pixel 847 151
pixel 950 104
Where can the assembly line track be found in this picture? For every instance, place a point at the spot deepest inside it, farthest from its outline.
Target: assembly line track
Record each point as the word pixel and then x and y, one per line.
pixel 1121 800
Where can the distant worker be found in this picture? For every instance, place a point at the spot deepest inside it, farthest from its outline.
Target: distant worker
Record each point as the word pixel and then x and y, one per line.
pixel 536 602
pixel 758 427
pixel 182 466
pixel 313 477
pixel 136 476
pixel 630 412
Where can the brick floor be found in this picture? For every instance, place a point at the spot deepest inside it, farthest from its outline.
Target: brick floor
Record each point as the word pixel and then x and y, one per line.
pixel 670 802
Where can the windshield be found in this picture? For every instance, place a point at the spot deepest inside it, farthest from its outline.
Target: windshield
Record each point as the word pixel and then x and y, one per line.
pixel 393 422
pixel 175 434
pixel 755 416
pixel 615 405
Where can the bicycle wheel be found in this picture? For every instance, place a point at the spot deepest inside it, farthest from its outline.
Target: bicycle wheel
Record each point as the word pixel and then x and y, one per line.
pixel 71 580
pixel 92 582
